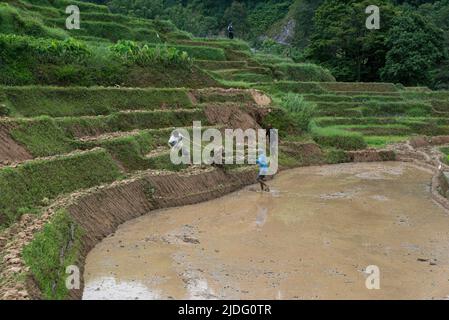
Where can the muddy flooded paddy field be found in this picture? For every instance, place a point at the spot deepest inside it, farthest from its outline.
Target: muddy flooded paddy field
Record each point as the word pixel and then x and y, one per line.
pixel 311 237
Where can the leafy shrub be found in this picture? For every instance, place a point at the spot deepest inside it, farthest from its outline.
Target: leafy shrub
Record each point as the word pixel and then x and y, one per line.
pixel 301 110
pixel 144 55
pixel 43 50
pixel 4 110
pixel 283 121
pixel 22 55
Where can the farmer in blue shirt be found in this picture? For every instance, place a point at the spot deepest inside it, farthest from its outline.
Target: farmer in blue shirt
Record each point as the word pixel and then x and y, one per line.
pixel 263 169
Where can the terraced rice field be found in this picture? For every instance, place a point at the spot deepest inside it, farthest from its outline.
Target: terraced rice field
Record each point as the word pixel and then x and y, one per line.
pixel 83 145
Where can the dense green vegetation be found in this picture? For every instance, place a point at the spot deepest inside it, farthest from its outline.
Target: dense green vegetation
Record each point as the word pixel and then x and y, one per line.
pixel 28 60
pixel 331 33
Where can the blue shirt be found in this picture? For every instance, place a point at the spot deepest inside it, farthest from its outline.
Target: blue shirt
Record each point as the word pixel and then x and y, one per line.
pixel 263 164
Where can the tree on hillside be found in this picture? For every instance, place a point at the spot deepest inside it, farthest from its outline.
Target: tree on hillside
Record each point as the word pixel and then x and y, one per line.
pixel 188 19
pixel 303 14
pixel 417 46
pixel 438 13
pixel 265 14
pixel 148 9
pixel 341 42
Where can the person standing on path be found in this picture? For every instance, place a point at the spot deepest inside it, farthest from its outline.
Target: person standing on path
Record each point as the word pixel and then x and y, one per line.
pixel 263 170
pixel 230 31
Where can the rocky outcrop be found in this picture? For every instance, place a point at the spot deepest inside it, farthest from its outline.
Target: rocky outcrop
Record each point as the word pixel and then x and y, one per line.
pixel 286 34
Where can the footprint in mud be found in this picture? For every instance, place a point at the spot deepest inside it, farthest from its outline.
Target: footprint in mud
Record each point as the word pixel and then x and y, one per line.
pixel 402 220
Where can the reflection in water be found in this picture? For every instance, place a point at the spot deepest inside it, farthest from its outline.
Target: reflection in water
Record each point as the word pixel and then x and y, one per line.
pixel 198 289
pixel 106 288
pixel 261 216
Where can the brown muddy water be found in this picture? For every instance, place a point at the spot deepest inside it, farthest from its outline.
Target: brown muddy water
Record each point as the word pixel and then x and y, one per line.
pixel 311 237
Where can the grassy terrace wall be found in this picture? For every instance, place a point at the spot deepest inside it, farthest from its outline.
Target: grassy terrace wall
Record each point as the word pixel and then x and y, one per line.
pixel 45 136
pixel 36 183
pixel 316 87
pixel 76 101
pixel 303 72
pixel 57 246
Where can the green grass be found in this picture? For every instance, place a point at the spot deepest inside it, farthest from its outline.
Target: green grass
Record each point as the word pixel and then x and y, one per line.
pixel 304 72
pixel 223 43
pixel 445 151
pixel 361 97
pixel 271 59
pixel 54 248
pixel 27 186
pixel 218 65
pixel 209 96
pixel 203 52
pixel 359 86
pixel 374 108
pixel 383 141
pixel 112 31
pixel 41 137
pixel 338 138
pixel 243 76
pixel 16 21
pixel 409 121
pixel 130 150
pixel 291 86
pixel 45 136
pixel 378 129
pixel 283 121
pixel 34 101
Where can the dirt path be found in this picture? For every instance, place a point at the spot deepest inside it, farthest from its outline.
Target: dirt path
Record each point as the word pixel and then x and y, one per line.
pixel 312 237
